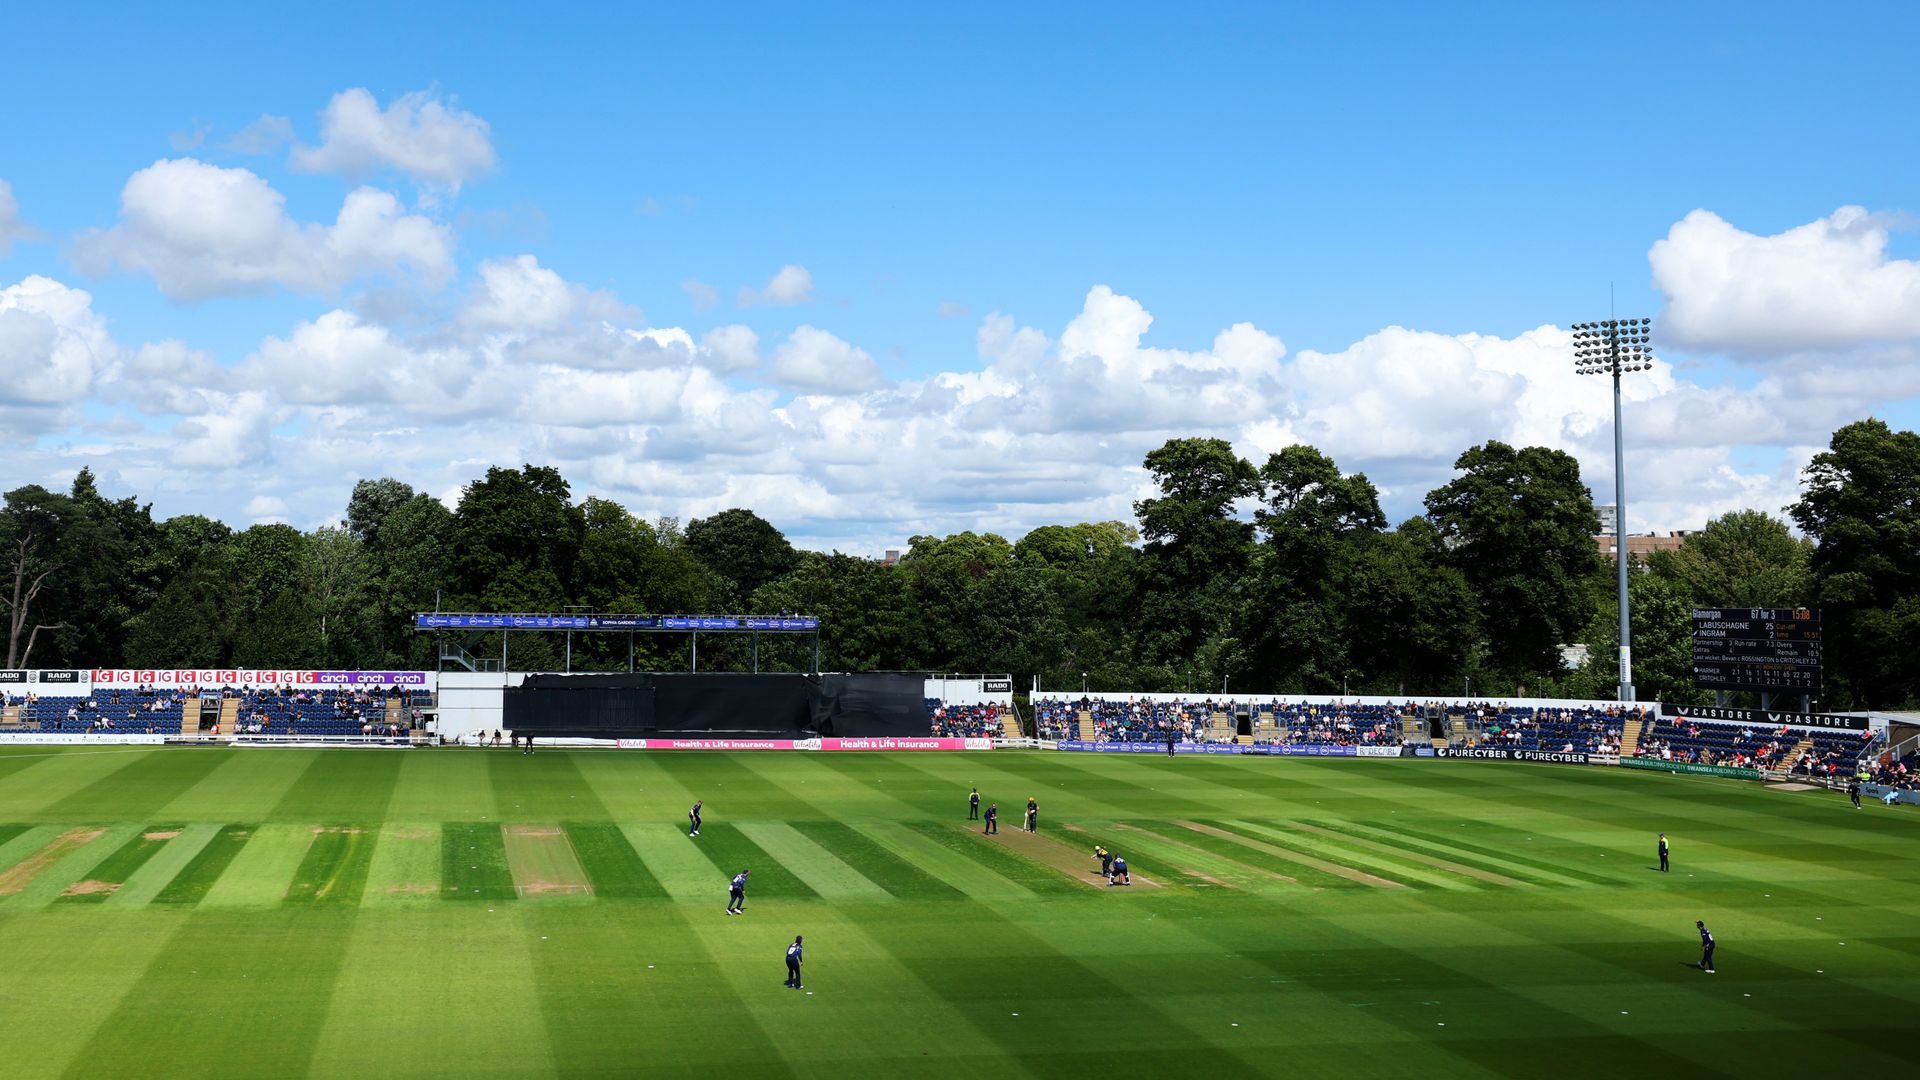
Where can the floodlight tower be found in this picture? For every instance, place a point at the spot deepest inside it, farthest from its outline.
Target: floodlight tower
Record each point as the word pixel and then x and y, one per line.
pixel 1614 347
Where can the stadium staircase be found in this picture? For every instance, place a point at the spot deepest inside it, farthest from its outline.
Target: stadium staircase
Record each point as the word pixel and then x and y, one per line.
pixel 1243 740
pixel 1009 726
pixel 1220 727
pixel 1086 725
pixel 396 711
pixel 190 715
pixel 1791 758
pixel 1630 737
pixel 230 716
pixel 10 717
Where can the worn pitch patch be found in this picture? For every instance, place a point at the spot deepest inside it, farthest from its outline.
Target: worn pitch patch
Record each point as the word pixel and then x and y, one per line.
pixel 1057 856
pixel 21 874
pixel 543 862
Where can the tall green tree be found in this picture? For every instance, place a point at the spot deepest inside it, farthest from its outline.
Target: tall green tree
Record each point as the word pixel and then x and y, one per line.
pixel 1411 622
pixel 1861 506
pixel 1196 553
pixel 743 549
pixel 1315 522
pixel 1746 558
pixel 516 536
pixel 33 530
pixel 1518 523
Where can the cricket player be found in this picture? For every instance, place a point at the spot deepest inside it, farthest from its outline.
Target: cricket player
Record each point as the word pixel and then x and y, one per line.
pixel 973 805
pixel 793 964
pixel 1706 947
pixel 1663 853
pixel 1105 857
pixel 1117 873
pixel 737 894
pixel 1033 815
pixel 1853 792
pixel 693 816
pixel 993 819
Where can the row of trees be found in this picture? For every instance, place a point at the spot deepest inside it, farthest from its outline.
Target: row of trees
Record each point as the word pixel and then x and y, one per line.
pixel 1283 576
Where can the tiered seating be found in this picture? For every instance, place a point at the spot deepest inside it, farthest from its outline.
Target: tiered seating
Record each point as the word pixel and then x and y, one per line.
pixel 1150 721
pixel 286 711
pixel 1056 720
pixel 1585 730
pixel 1342 724
pixel 128 711
pixel 1900 772
pixel 1832 755
pixel 1697 742
pixel 964 721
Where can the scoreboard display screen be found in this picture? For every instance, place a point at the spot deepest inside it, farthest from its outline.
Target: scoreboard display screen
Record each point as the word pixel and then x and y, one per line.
pixel 1757 649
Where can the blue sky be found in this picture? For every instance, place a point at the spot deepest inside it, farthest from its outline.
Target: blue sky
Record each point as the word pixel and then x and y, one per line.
pixel 1324 175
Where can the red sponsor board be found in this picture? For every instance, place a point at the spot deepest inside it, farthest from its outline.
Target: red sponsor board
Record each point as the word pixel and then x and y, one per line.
pixel 906 744
pixel 202 677
pixel 712 744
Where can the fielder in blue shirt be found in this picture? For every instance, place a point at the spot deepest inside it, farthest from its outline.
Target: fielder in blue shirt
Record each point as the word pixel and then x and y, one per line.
pixel 1118 873
pixel 737 894
pixel 693 816
pixel 793 964
pixel 1706 947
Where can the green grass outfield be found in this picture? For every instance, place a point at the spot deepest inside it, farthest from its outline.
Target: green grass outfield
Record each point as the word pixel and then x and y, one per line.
pixel 271 913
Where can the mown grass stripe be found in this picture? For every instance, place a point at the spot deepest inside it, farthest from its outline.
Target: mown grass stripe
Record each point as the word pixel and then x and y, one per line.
pixel 880 866
pixel 731 852
pixel 1405 870
pixel 1141 847
pixel 1561 869
pixel 679 865
pixel 1411 852
pixel 25 842
pixel 8 832
pixel 260 873
pixel 962 873
pixel 144 884
pixel 1016 868
pixel 405 867
pixel 611 863
pixel 336 866
pixel 473 862
pixel 106 878
pixel 192 883
pixel 821 869
pixel 1527 870
pixel 1304 873
pixel 1225 832
pixel 73 865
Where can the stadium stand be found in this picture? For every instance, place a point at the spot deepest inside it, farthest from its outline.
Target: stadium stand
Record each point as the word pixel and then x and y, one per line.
pixel 966 721
pixel 150 710
pixel 142 711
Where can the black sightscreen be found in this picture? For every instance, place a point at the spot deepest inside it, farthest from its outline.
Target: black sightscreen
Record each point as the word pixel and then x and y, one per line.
pixel 785 705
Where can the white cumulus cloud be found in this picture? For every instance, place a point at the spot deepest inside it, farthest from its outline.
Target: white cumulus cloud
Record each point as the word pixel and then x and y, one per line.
pixel 12 229
pixel 418 134
pixel 1823 285
pixel 519 293
pixel 814 361
pixel 789 286
pixel 200 230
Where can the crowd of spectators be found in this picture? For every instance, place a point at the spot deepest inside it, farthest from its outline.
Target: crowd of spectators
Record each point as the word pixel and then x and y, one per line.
pixel 1831 754
pixel 1056 720
pixel 964 721
pixel 140 710
pixel 1340 724
pixel 281 710
pixel 1898 772
pixel 1584 729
